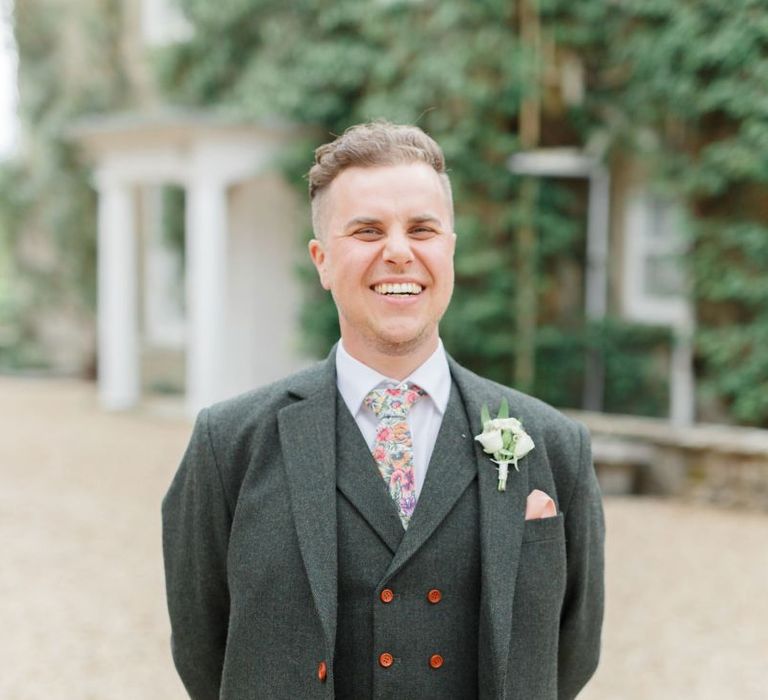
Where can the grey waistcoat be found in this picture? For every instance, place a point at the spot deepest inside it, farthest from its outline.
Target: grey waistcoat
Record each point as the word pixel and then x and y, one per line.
pixel 410 627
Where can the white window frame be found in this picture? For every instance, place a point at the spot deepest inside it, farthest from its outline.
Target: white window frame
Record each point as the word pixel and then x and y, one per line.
pixel 163 23
pixel 641 243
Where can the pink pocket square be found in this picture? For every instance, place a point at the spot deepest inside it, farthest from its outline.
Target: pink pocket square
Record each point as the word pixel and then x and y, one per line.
pixel 539 505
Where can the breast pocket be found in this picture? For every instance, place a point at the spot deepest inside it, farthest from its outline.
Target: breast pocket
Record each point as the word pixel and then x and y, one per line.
pixel 541 577
pixel 541 529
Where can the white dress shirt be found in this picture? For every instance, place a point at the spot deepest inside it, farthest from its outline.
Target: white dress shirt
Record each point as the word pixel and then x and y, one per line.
pixel 355 380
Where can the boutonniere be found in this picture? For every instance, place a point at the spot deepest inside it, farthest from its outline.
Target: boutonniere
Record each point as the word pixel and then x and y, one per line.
pixel 504 438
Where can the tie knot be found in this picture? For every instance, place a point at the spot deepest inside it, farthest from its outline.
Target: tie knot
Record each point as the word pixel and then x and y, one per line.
pixel 393 402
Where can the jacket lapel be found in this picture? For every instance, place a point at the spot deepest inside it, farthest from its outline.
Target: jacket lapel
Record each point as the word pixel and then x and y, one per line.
pixel 448 476
pixel 359 480
pixel 307 437
pixel 502 518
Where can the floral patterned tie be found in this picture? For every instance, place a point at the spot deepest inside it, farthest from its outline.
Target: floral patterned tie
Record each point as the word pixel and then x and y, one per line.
pixel 393 447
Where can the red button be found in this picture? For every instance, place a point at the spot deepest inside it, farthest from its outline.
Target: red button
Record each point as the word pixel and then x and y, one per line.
pixel 387 595
pixel 434 596
pixel 386 660
pixel 435 661
pixel 322 671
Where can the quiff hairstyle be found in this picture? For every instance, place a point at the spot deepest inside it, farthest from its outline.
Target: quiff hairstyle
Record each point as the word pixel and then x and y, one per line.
pixel 378 143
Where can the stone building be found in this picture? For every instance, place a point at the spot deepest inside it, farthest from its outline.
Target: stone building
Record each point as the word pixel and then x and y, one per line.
pixel 219 314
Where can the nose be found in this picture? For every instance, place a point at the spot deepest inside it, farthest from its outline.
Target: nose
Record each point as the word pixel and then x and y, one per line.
pixel 397 248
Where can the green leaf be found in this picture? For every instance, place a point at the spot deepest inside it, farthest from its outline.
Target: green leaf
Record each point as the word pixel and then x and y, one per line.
pixel 504 408
pixel 485 416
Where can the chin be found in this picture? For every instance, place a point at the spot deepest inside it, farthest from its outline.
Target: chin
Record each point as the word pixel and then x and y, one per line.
pixel 403 343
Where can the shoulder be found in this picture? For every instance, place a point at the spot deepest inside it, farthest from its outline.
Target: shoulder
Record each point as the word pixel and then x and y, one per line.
pixel 242 427
pixel 267 400
pixel 534 413
pixel 251 406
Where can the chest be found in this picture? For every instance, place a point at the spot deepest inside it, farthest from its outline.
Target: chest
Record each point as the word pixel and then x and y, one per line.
pixel 444 529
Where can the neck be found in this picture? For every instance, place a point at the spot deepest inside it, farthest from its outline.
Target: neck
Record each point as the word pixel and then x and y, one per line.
pixel 393 362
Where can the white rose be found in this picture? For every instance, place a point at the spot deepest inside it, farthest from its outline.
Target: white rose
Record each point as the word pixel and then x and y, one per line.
pixel 491 440
pixel 523 445
pixel 506 424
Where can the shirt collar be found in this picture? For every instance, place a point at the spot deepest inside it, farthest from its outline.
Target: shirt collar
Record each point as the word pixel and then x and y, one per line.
pixel 355 379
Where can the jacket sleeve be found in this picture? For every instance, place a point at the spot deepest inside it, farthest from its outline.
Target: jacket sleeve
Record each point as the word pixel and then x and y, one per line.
pixel 582 614
pixel 196 525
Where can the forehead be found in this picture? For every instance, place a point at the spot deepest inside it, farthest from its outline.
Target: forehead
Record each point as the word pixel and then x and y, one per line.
pixel 388 190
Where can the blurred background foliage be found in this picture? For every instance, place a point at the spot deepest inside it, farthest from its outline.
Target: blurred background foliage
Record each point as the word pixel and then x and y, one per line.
pixel 685 85
pixel 46 195
pixel 679 84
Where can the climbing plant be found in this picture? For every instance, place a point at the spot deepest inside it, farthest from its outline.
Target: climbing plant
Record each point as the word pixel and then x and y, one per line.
pixel 682 85
pixel 459 70
pixel 68 67
pixel 676 84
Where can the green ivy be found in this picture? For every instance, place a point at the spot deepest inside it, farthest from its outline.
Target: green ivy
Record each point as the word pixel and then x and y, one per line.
pixel 679 84
pixel 682 84
pixel 459 71
pixel 47 193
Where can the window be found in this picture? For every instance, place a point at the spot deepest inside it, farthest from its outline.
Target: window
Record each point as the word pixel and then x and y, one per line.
pixel 162 22
pixel 655 243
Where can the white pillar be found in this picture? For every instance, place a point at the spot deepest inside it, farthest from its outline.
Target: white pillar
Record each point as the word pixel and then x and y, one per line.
pixel 119 385
pixel 596 292
pixel 598 223
pixel 206 248
pixel 682 384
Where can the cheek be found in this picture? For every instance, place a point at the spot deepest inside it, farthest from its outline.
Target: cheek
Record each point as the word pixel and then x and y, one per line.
pixel 341 275
pixel 443 269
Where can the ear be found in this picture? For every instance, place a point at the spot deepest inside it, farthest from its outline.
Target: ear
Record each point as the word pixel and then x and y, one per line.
pixel 317 253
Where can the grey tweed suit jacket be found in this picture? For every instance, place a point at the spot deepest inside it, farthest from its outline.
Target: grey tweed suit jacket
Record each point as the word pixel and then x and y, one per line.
pixel 249 540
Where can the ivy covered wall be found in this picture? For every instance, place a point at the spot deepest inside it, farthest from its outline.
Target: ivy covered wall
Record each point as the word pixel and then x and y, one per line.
pixel 683 85
pixel 70 65
pixel 461 71
pixel 677 84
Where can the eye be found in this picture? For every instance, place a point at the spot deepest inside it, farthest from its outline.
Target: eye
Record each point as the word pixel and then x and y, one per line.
pixel 421 232
pixel 367 234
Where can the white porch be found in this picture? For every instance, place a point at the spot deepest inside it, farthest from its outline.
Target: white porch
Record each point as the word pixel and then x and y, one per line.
pixel 236 324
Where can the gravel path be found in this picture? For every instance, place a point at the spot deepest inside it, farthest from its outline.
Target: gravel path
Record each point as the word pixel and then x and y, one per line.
pixel 81 589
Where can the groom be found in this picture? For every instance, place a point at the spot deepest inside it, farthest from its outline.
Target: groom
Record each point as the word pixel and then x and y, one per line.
pixel 341 533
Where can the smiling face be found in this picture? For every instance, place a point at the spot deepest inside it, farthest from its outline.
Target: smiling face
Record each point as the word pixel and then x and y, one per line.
pixel 386 255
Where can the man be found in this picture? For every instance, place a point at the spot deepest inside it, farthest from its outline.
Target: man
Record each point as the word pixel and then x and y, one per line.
pixel 341 533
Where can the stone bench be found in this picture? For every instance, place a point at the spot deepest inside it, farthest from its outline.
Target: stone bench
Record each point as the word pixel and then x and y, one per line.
pixel 713 463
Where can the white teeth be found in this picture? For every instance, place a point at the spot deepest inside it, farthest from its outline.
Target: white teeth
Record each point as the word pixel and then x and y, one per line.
pixel 398 288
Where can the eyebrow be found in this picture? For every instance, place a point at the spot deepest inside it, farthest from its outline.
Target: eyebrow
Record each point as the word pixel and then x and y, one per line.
pixel 372 221
pixel 361 220
pixel 423 218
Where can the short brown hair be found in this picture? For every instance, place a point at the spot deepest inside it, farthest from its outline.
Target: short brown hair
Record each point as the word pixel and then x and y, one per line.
pixel 377 143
